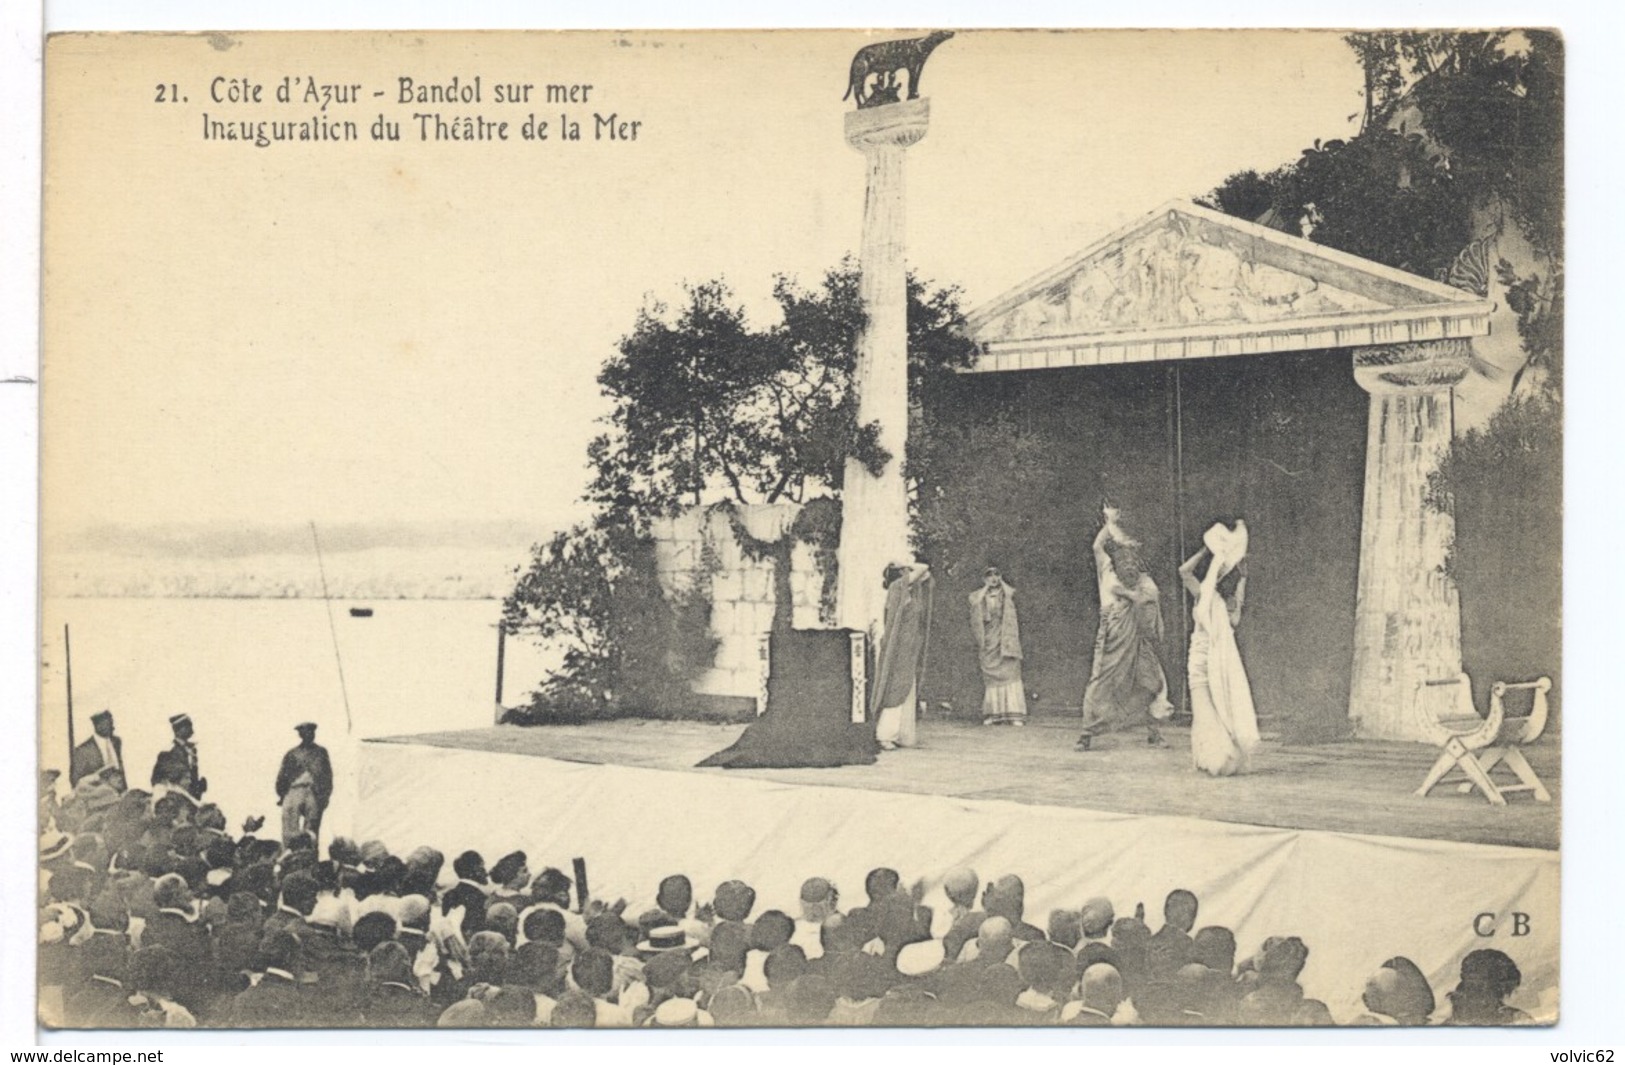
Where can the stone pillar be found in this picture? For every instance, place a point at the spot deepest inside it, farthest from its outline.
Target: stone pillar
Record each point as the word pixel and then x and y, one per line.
pixel 1407 619
pixel 874 510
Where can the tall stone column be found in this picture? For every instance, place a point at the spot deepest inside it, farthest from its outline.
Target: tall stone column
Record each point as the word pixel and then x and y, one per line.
pixel 1407 619
pixel 874 510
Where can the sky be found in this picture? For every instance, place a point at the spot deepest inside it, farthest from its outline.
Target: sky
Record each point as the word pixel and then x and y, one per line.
pixel 410 332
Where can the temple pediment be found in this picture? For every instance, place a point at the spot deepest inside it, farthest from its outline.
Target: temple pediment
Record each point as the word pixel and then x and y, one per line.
pixel 1189 282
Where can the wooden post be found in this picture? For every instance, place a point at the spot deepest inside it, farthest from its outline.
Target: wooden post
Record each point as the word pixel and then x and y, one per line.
pixel 502 647
pixel 67 653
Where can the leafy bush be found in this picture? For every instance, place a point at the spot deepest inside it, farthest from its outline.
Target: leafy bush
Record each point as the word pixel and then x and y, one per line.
pixel 629 649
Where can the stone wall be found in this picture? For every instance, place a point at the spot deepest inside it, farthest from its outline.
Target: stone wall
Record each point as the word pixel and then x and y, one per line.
pixel 698 547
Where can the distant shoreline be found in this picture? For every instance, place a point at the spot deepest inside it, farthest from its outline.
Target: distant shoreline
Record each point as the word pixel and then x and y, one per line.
pixel 303 598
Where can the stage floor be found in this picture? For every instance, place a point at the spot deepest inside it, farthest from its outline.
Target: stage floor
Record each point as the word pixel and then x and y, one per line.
pixel 1353 786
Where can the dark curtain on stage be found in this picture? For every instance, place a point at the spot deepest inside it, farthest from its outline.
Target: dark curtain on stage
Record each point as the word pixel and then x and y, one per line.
pixel 1276 439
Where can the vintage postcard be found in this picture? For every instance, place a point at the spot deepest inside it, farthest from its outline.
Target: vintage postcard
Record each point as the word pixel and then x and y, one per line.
pixel 804 528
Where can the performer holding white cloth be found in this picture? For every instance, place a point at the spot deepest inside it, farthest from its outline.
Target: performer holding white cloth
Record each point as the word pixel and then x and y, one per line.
pixel 1224 726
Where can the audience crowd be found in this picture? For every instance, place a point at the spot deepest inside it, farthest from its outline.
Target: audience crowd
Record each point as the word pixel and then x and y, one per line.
pixel 152 914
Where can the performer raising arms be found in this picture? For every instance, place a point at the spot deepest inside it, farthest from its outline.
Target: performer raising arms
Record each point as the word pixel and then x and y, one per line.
pixel 1126 683
pixel 1224 727
pixel 998 646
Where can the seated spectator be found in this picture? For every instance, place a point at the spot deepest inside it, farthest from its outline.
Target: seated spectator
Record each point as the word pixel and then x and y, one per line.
pixel 1006 897
pixel 422 871
pixel 375 928
pixel 542 924
pixel 551 889
pixel 488 956
pixel 154 978
pixel 667 975
pixel 1397 994
pixel 809 1000
pixel 819 901
pixel 770 931
pixel 1215 947
pixel 999 985
pixel 464 1013
pixel 958 924
pixel 1275 996
pixel 393 998
pixel 1101 994
pixel 575 1009
pixel 993 944
pixel 1313 1013
pixel 1047 977
pixel 176 927
pixel 1487 978
pixel 510 878
pixel 503 919
pixel 538 968
pixel 293 905
pixel 99 997
pixel 1171 948
pixel 1131 940
pixel 594 972
pixel 276 1001
pixel 783 966
pixel 733 901
pixel 509 1007
pixel 1065 928
pixel 337 969
pixel 730 942
pixel 733 1007
pixel 469 893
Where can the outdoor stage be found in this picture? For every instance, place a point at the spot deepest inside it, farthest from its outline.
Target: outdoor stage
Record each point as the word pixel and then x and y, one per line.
pixel 1271 853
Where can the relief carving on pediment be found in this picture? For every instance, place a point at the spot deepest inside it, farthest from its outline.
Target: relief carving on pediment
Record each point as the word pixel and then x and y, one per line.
pixel 1172 277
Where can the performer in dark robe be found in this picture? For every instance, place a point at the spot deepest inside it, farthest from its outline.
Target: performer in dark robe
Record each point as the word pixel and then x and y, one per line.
pixel 894 696
pixel 998 645
pixel 1127 686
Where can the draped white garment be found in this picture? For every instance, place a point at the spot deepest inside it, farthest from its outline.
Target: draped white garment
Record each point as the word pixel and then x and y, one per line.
pixel 1224 726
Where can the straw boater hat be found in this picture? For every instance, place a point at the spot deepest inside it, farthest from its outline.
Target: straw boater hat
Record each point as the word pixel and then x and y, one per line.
pixel 54 845
pixel 667 937
pixel 917 959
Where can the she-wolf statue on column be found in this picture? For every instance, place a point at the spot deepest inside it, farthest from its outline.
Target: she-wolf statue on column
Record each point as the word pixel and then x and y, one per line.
pixel 883 60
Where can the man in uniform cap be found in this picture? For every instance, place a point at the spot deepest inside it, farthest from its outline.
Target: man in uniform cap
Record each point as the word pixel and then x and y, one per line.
pixel 102 755
pixel 304 785
pixel 177 768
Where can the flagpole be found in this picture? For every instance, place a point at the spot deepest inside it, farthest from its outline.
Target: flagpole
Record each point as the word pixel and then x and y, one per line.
pixel 67 650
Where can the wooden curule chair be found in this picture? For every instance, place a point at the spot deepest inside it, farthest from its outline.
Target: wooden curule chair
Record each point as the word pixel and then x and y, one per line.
pixel 1479 745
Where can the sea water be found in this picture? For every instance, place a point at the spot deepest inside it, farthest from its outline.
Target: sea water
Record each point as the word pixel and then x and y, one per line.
pixel 249 670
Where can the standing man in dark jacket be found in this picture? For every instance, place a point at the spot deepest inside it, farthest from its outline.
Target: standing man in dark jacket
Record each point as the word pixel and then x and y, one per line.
pixel 102 754
pixel 177 767
pixel 304 785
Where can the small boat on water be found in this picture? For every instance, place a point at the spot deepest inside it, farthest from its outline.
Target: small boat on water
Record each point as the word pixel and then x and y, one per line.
pixel 361 612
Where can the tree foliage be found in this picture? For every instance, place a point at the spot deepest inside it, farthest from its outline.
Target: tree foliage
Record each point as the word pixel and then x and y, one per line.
pixel 708 406
pixel 1459 127
pixel 1462 138
pixel 628 648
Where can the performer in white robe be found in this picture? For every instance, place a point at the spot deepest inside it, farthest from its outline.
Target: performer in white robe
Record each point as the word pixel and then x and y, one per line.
pixel 1224 726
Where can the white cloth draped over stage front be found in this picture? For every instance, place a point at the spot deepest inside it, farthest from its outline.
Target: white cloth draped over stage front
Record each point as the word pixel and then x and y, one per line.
pixel 1355 900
